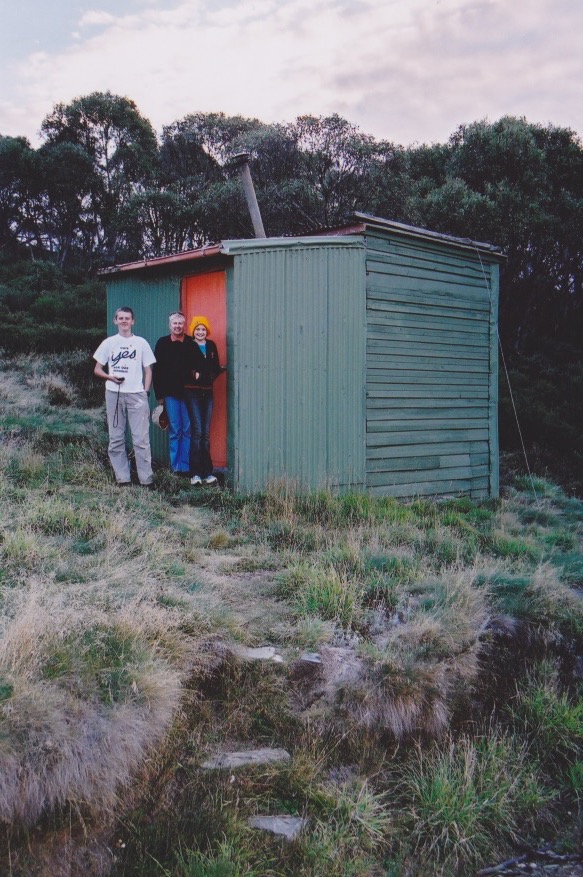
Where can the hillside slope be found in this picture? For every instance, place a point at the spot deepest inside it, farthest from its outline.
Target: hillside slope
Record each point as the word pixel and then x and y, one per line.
pixel 419 667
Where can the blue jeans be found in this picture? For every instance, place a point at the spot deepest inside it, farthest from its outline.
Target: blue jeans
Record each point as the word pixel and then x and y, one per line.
pixel 178 433
pixel 200 410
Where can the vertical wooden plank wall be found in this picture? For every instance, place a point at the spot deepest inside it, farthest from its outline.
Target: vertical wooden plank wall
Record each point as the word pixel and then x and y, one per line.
pixel 431 370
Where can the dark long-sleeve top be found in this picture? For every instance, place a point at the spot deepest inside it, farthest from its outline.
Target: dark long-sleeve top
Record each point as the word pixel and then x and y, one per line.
pixel 175 361
pixel 207 367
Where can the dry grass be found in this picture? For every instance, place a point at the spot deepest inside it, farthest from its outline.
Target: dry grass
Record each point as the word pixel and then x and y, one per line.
pixel 98 628
pixel 117 607
pixel 405 676
pixel 89 695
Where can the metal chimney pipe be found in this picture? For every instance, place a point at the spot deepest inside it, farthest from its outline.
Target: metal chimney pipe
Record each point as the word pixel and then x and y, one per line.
pixel 241 161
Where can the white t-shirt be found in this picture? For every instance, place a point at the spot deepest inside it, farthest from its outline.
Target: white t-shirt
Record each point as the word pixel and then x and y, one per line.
pixel 125 358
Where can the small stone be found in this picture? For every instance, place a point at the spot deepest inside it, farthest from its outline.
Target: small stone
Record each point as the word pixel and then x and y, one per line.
pixel 286 826
pixel 263 653
pixel 311 658
pixel 246 758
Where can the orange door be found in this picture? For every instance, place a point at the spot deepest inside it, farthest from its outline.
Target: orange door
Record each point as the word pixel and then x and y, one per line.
pixel 205 295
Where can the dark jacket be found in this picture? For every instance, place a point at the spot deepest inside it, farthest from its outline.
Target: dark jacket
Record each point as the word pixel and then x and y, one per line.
pixel 207 367
pixel 173 366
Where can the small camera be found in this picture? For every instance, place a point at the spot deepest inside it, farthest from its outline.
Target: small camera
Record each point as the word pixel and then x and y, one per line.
pixel 119 380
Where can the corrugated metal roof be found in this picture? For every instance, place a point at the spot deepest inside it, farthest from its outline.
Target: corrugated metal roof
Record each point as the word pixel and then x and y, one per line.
pixel 381 224
pixel 247 245
pixel 231 247
pixel 158 261
pixel 347 235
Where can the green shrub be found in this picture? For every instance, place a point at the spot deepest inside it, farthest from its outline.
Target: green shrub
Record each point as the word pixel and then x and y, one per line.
pixel 44 311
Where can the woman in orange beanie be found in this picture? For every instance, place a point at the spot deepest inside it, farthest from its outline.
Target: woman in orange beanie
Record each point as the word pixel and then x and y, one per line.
pixel 198 395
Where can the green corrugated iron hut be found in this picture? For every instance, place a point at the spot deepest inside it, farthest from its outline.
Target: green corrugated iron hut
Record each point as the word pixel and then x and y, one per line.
pixel 360 359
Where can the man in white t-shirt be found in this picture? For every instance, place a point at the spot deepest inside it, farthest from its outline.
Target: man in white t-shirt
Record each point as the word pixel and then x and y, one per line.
pixel 129 361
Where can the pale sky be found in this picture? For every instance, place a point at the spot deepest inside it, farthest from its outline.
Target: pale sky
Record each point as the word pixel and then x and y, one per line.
pixel 408 71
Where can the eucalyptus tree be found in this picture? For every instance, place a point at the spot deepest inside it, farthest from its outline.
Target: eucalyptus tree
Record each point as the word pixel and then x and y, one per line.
pixel 288 203
pixel 65 220
pixel 195 155
pixel 339 164
pixel 18 174
pixel 214 135
pixel 122 147
pixel 160 221
pixel 188 166
pixel 520 186
pixel 309 174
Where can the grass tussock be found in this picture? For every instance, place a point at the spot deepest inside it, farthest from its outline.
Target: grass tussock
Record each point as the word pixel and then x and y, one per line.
pixel 467 799
pixel 550 718
pixel 85 696
pixel 118 611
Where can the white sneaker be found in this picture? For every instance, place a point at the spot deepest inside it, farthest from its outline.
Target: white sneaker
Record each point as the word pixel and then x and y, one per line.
pixel 210 479
pixel 196 479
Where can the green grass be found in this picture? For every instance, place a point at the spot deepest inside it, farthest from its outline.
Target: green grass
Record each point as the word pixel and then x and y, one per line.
pixel 199 865
pixel 6 690
pixel 101 662
pixel 551 720
pixel 461 802
pixel 118 610
pixel 323 592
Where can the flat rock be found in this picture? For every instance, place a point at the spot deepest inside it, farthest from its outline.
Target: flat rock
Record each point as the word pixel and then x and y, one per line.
pixel 286 826
pixel 263 653
pixel 245 758
pixel 311 658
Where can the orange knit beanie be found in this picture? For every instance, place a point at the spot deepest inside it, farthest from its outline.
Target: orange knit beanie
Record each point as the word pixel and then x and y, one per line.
pixel 200 321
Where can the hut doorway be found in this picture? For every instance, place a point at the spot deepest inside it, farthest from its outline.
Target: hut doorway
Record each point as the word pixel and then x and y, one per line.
pixel 206 295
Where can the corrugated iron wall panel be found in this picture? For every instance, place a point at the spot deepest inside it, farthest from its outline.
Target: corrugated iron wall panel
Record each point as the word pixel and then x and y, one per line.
pixel 298 358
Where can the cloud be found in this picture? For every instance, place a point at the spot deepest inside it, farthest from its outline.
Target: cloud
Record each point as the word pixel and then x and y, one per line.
pixel 402 71
pixel 96 17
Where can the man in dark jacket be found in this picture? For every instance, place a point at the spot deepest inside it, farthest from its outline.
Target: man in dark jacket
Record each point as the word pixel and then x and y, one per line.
pixel 173 369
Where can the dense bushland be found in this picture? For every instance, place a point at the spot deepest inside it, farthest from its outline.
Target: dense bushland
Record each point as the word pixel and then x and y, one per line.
pixel 44 310
pixel 545 388
pixel 103 189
